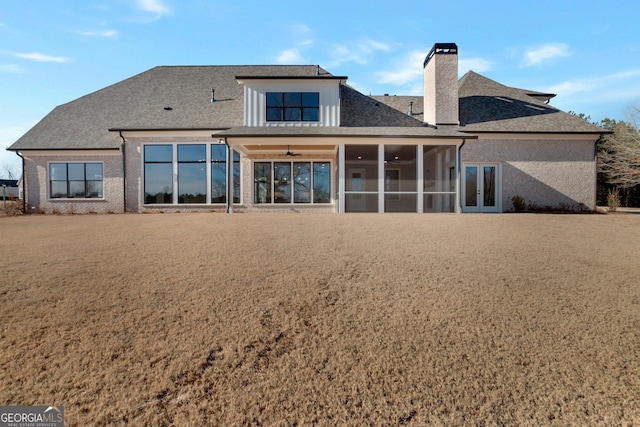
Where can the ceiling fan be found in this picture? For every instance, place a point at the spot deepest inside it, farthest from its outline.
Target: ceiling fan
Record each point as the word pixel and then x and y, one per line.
pixel 289 153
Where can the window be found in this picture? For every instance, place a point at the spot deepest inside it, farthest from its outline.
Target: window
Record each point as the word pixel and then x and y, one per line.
pixel 192 173
pixel 75 180
pixel 219 174
pixel 293 106
pixel 158 174
pixel 274 182
pixel 197 171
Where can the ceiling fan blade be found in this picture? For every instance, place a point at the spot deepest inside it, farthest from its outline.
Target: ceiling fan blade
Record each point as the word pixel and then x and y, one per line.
pixel 289 153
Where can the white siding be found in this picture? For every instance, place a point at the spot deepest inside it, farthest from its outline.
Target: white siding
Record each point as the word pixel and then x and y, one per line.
pixel 255 101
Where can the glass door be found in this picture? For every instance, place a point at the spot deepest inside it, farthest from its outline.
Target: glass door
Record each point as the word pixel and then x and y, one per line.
pixel 480 192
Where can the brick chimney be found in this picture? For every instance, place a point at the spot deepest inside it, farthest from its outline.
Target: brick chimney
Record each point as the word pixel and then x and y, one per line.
pixel 441 85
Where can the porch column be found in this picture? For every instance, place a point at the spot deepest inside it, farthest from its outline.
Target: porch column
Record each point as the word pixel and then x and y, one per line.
pixel 459 177
pixel 381 178
pixel 420 178
pixel 341 181
pixel 229 194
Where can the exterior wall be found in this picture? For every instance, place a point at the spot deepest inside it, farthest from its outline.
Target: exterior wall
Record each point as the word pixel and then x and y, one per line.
pixel 545 172
pixel 37 183
pixel 255 102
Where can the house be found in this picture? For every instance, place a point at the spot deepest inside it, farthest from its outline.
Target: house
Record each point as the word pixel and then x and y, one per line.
pixel 269 138
pixel 9 189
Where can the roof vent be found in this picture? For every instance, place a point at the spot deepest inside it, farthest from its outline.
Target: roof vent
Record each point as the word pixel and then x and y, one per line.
pixel 167 108
pixel 411 108
pixel 317 70
pixel 213 95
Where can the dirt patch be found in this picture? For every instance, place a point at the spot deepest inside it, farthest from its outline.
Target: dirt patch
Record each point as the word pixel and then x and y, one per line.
pixel 297 319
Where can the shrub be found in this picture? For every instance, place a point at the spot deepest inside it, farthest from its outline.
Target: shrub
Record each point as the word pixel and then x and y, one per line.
pixel 613 200
pixel 519 204
pixel 13 208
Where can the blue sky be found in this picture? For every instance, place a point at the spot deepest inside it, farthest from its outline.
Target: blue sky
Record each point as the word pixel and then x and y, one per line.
pixel 52 52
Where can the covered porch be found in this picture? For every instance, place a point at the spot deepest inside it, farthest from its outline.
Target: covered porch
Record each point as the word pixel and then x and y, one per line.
pixel 303 170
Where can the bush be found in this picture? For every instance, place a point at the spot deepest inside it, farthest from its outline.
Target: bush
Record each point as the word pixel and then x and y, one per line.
pixel 13 208
pixel 519 204
pixel 613 200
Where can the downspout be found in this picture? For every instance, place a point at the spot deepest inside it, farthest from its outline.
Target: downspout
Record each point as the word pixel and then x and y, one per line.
pixel 24 185
pixel 459 184
pixel 124 174
pixel 595 166
pixel 229 177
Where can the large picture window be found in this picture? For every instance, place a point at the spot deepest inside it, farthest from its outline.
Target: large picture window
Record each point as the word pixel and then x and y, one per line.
pixel 192 173
pixel 291 182
pixel 293 106
pixel 75 180
pixel 197 171
pixel 158 174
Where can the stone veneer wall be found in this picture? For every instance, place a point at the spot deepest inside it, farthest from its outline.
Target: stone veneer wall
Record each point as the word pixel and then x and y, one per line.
pixel 536 170
pixel 37 183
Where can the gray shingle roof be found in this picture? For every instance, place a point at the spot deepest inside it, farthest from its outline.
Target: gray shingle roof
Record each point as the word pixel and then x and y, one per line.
pixel 142 102
pixel 139 103
pixel 488 106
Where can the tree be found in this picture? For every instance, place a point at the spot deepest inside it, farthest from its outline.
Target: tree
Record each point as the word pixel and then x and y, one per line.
pixel 8 172
pixel 619 157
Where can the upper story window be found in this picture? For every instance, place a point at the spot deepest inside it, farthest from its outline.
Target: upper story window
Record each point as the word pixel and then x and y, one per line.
pixel 293 106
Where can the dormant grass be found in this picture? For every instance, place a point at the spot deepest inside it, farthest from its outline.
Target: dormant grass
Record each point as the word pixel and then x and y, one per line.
pixel 309 319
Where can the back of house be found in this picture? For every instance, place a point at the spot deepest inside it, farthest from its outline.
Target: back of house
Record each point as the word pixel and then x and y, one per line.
pixel 281 138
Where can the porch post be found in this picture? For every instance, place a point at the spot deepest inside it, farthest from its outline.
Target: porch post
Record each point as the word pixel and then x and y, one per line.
pixel 341 182
pixel 229 195
pixel 459 177
pixel 420 175
pixel 381 178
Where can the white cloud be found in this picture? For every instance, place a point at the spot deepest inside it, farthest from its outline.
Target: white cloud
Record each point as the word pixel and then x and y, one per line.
pixel 106 33
pixel 289 56
pixel 153 6
pixel 539 54
pixel 11 68
pixel 621 81
pixel 600 96
pixel 360 52
pixel 41 57
pixel 409 70
pixel 479 65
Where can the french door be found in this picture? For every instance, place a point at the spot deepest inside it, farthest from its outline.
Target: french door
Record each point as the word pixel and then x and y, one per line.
pixel 481 187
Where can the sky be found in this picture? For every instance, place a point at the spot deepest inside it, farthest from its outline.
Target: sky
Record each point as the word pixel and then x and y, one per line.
pixel 55 51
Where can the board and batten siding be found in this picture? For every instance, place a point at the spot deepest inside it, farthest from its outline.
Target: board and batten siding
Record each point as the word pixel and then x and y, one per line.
pixel 255 102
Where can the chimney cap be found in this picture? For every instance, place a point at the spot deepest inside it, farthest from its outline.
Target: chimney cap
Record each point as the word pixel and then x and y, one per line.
pixel 441 49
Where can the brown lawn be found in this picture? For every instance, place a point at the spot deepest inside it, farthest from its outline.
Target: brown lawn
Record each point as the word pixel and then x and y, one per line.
pixel 302 319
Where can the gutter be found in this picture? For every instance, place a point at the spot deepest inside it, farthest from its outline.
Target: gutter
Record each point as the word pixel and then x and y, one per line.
pixel 124 173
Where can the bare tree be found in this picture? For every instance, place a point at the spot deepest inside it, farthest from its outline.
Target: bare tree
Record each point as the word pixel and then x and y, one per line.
pixel 8 172
pixel 619 156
